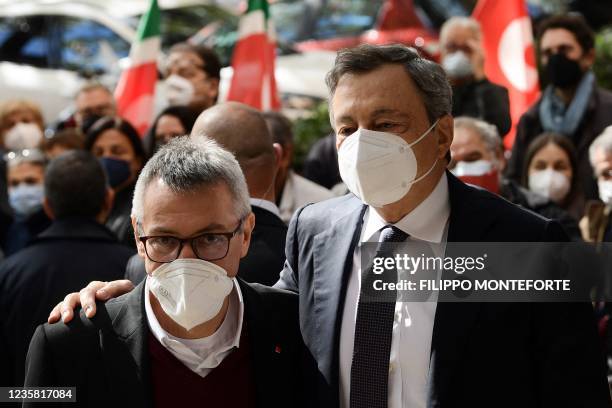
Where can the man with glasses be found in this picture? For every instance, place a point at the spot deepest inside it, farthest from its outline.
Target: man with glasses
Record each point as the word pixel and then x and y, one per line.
pixel 191 332
pixel 93 101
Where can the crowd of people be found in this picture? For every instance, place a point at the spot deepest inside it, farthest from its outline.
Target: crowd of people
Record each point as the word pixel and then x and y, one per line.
pixel 209 194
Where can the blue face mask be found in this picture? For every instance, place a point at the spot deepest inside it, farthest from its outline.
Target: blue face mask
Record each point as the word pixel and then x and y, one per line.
pixel 26 199
pixel 117 171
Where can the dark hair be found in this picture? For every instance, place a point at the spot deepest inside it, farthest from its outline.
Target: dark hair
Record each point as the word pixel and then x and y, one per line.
pixel 575 24
pixel 184 114
pixel 122 126
pixel 280 128
pixel 75 185
pixel 566 145
pixel 69 138
pixel 212 65
pixel 429 77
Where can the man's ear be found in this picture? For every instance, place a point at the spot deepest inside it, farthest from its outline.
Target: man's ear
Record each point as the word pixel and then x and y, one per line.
pixel 278 154
pixel 247 232
pixel 139 245
pixel 47 208
pixel 445 135
pixel 107 205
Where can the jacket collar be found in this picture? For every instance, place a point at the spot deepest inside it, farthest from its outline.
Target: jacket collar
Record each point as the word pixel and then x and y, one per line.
pixel 78 228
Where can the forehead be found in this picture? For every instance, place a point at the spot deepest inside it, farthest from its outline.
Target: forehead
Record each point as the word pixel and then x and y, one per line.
pixel 185 213
pixel 111 137
pixel 25 170
pixel 388 87
pixel 551 152
pixel 555 37
pixel 458 34
pixel 467 138
pixel 180 58
pixel 601 156
pixel 93 94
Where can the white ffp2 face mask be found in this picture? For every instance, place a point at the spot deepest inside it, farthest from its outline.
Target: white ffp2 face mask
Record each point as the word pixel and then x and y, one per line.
pixel 179 91
pixel 379 167
pixel 550 183
pixel 23 136
pixel 605 191
pixel 190 291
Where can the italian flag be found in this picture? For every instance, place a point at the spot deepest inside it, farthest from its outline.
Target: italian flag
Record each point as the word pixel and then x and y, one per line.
pixel 253 80
pixel 135 91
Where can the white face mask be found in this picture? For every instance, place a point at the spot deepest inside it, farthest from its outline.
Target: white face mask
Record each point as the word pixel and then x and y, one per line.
pixel 23 136
pixel 179 91
pixel 550 183
pixel 379 167
pixel 457 65
pixel 190 291
pixel 474 168
pixel 605 191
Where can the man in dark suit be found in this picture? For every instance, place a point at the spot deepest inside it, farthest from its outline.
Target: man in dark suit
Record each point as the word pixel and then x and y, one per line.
pixel 74 250
pixel 390 110
pixel 252 144
pixel 191 332
pixel 385 102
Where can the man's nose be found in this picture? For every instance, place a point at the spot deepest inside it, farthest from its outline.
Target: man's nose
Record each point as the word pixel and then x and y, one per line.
pixel 187 252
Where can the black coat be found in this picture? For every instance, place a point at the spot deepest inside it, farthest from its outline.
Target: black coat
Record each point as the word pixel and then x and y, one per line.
pixel 596 118
pixel 107 357
pixel 321 164
pixel 483 354
pixel 63 259
pixel 483 100
pixel 120 218
pixel 262 264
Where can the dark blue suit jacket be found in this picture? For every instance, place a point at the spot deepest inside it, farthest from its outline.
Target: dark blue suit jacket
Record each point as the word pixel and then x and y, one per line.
pixel 483 354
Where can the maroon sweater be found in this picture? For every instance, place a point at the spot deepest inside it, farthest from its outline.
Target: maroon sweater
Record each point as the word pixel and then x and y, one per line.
pixel 231 384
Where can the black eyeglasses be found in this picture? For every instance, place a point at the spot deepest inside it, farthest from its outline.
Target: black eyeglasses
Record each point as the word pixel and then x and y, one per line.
pixel 208 247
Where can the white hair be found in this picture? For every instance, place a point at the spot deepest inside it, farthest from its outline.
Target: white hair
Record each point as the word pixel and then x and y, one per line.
pixel 465 22
pixel 603 141
pixel 487 132
pixel 186 164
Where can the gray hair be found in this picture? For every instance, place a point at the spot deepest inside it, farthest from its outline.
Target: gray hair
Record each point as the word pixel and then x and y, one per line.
pixel 429 77
pixel 464 22
pixel 487 132
pixel 185 164
pixel 603 141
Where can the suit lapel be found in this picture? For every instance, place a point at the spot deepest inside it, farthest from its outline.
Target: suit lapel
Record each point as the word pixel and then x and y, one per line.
pixel 130 348
pixel 331 274
pixel 454 321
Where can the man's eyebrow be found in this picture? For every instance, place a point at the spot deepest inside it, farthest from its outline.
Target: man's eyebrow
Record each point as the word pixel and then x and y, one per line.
pixel 214 227
pixel 388 111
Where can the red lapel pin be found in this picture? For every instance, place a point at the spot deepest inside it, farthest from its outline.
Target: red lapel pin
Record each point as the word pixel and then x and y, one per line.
pixel 277 349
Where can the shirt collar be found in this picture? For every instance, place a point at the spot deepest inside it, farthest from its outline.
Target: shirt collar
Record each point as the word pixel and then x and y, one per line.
pixel 426 222
pixel 207 353
pixel 266 205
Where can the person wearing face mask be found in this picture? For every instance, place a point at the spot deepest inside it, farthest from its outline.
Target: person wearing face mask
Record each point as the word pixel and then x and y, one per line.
pixel 192 333
pixel 258 157
pixel 118 147
pixel 25 179
pixel 550 168
pixel 171 122
pixel 596 225
pixel 390 110
pixel 478 159
pixel 572 104
pixel 191 76
pixel 463 60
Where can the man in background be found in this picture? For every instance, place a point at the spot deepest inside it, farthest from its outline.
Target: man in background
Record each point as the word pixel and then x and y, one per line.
pixel 292 190
pixel 75 249
pixel 463 60
pixel 93 101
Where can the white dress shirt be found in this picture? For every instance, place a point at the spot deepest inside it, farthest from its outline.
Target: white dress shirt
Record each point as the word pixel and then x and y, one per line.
pixel 266 205
pixel 299 191
pixel 202 355
pixel 414 321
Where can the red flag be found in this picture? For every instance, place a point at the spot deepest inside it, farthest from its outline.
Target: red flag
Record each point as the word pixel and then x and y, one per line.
pixel 253 79
pixel 509 54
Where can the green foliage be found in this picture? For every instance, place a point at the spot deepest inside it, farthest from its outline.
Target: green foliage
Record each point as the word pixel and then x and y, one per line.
pixel 307 130
pixel 603 61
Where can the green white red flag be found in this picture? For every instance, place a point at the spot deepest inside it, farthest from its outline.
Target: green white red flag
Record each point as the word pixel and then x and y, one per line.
pixel 253 81
pixel 135 92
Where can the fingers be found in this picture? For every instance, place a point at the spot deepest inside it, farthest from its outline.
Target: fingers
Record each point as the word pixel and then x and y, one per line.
pixel 114 289
pixel 55 314
pixel 87 297
pixel 67 306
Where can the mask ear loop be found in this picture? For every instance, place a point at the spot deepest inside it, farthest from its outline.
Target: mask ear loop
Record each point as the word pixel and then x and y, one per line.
pixel 425 134
pixel 434 163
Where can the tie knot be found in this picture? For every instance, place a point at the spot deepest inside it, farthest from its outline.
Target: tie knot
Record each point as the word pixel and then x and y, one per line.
pixel 391 233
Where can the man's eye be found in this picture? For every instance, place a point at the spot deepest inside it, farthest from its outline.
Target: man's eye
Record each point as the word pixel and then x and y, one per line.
pixel 346 131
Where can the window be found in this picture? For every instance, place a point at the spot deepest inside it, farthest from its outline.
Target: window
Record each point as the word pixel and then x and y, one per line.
pixel 89 47
pixel 24 40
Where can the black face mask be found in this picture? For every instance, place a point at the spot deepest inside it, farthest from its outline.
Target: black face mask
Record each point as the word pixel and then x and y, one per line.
pixel 563 72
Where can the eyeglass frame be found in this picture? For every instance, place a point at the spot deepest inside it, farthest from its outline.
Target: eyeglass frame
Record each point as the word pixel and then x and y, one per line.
pixel 182 241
